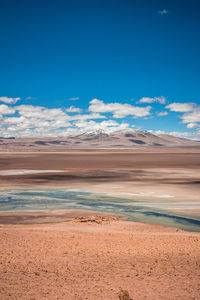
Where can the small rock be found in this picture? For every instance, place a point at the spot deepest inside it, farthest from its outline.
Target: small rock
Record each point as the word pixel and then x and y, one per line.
pixel 95 219
pixel 124 295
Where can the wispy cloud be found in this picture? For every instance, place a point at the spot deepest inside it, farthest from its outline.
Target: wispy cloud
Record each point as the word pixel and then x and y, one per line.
pixel 9 100
pixel 31 98
pixel 73 109
pixel 162 113
pixel 74 98
pixel 186 135
pixel 87 116
pixel 163 12
pixel 161 100
pixel 192 125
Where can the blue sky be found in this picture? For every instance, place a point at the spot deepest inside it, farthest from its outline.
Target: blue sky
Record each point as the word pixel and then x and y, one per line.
pixel 58 54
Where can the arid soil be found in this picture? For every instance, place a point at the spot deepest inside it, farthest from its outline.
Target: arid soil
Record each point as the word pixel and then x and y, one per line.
pixel 79 260
pixel 88 260
pixel 50 216
pixel 103 159
pixel 173 171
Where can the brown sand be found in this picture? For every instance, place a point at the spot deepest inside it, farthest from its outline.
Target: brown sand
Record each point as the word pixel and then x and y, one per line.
pixel 46 216
pixel 106 159
pixel 174 171
pixel 93 261
pixel 79 261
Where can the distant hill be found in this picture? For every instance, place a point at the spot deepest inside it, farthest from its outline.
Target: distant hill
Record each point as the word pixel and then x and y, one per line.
pixel 128 138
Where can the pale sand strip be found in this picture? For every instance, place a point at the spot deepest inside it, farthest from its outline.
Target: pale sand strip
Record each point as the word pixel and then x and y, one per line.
pixel 27 172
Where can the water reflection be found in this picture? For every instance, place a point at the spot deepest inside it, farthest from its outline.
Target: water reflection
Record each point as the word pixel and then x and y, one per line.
pixel 65 199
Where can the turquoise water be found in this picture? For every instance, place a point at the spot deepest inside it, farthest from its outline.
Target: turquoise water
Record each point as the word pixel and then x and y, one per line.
pixel 82 200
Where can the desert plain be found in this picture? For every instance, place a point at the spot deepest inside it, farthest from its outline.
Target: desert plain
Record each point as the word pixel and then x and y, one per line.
pixel 55 254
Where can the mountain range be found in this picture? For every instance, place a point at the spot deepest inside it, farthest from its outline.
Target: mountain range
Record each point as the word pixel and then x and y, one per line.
pixel 128 138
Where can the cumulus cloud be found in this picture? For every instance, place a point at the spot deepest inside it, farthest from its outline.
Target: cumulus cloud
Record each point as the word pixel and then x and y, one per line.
pixel 41 112
pixel 118 110
pixel 185 135
pixel 29 120
pixel 87 116
pixel 107 126
pixel 191 113
pixel 181 107
pixel 163 12
pixel 191 117
pixel 73 109
pixel 32 120
pixel 8 100
pixel 192 125
pixel 6 110
pixel 162 113
pixel 100 125
pixel 161 100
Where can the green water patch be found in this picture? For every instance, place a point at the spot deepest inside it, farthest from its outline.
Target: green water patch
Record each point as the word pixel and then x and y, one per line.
pixel 132 210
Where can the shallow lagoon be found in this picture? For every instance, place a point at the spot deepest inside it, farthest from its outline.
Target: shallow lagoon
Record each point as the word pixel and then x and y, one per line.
pixel 132 210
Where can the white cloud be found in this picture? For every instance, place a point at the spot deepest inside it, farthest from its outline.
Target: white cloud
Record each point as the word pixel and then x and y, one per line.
pixel 185 135
pixel 107 126
pixel 33 121
pixel 118 110
pixel 162 113
pixel 6 110
pixel 87 116
pixel 161 100
pixel 40 121
pixel 73 109
pixel 157 132
pixel 92 124
pixel 41 112
pixel 74 98
pixel 192 125
pixel 163 12
pixel 191 113
pixel 8 100
pixel 29 120
pixel 181 107
pixel 191 117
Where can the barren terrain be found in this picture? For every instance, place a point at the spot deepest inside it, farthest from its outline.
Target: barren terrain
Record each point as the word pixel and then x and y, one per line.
pixel 92 261
pixel 88 260
pixel 174 171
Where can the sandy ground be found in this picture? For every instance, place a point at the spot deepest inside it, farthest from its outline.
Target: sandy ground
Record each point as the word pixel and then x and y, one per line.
pixel 79 261
pixel 93 261
pixel 46 216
